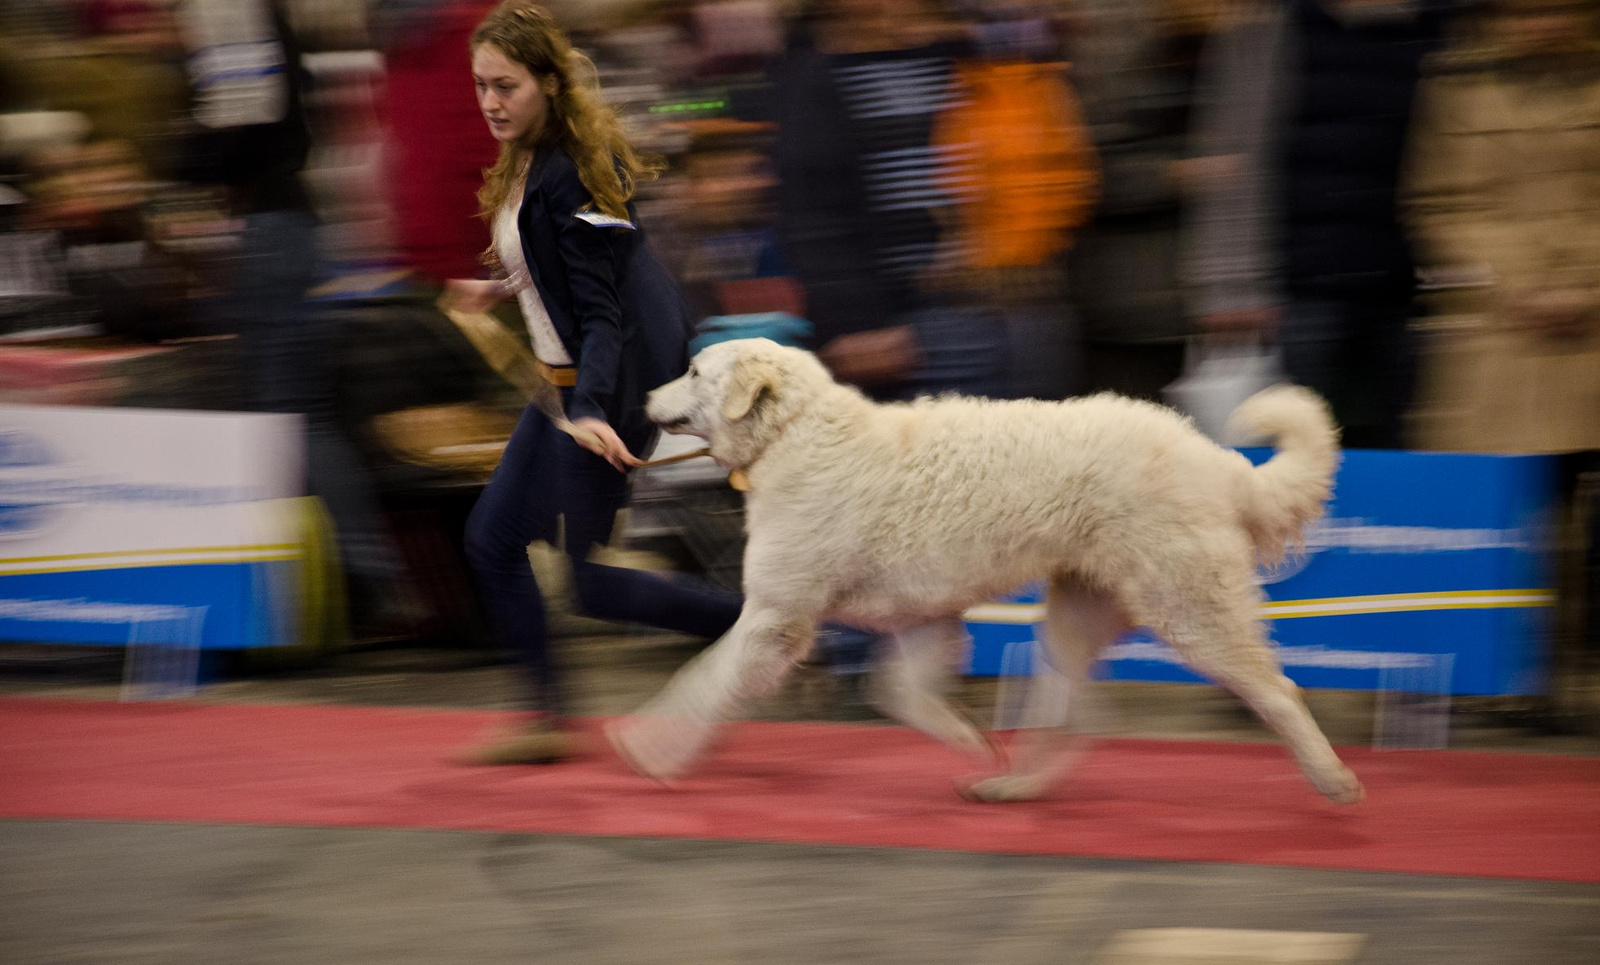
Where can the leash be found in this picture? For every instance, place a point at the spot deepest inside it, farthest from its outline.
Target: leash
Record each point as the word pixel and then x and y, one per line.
pixel 736 477
pixel 669 460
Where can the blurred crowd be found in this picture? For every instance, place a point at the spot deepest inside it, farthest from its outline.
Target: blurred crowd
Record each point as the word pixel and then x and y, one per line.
pixel 253 203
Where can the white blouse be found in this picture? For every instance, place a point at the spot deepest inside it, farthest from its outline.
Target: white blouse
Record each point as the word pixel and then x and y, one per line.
pixel 508 246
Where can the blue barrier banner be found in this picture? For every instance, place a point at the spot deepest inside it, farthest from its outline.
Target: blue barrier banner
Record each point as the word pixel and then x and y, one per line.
pixel 1421 556
pixel 216 606
pixel 121 525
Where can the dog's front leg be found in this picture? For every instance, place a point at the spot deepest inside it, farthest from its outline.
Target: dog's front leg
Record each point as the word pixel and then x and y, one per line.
pixel 673 730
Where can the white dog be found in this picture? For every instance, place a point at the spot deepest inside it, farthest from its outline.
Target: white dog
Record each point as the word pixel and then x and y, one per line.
pixel 896 518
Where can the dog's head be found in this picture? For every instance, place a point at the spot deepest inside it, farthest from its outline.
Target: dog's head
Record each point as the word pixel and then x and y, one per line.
pixel 738 395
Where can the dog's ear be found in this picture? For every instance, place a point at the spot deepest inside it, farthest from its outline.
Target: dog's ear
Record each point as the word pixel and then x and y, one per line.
pixel 752 376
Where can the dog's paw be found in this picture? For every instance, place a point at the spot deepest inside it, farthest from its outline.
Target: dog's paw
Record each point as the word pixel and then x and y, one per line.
pixel 644 752
pixel 1344 789
pixel 1004 789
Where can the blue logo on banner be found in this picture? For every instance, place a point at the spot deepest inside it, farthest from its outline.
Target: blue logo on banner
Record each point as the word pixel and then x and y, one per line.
pixel 23 450
pixel 24 516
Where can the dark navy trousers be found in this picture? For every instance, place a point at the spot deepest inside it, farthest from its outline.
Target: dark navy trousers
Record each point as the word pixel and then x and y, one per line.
pixel 544 477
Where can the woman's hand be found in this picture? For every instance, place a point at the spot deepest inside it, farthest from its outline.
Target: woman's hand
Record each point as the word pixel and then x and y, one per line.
pixel 599 438
pixel 876 356
pixel 1244 323
pixel 1552 313
pixel 473 294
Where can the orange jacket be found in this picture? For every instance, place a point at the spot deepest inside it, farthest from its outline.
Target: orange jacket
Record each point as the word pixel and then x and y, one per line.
pixel 1026 171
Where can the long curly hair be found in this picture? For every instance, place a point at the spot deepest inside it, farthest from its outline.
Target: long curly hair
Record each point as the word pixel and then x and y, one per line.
pixel 581 122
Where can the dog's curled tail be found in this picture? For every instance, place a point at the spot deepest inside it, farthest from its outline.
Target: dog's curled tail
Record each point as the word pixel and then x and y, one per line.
pixel 1291 489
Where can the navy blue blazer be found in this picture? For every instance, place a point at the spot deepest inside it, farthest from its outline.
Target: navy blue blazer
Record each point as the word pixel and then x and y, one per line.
pixel 618 311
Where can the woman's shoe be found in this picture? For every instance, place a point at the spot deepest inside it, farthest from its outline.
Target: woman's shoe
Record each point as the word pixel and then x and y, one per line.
pixel 536 742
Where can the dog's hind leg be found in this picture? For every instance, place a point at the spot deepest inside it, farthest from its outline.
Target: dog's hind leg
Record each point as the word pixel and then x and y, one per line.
pixel 750 661
pixel 1081 621
pixel 911 678
pixel 1216 630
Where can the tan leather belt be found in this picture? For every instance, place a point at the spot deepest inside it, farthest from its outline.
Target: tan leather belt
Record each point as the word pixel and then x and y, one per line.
pixel 561 376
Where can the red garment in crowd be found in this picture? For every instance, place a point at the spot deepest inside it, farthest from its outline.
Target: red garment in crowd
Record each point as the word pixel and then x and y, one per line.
pixel 101 17
pixel 439 144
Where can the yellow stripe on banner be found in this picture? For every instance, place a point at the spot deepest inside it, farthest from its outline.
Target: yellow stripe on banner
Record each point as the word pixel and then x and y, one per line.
pixel 1028 613
pixel 1407 603
pixel 263 547
pixel 1428 594
pixel 140 564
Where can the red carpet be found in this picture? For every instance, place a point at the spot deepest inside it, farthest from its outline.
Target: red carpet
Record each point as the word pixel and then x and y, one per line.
pixel 1445 813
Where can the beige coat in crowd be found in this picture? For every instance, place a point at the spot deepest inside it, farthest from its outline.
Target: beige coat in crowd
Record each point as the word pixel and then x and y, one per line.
pixel 1505 194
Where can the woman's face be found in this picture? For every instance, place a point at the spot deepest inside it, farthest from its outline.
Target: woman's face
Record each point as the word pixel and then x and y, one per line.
pixel 514 102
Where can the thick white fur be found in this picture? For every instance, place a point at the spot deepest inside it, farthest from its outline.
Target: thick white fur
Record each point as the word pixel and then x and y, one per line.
pixel 898 517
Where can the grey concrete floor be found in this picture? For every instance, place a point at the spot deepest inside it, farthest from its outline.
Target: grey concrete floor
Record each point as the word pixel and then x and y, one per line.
pixel 152 894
